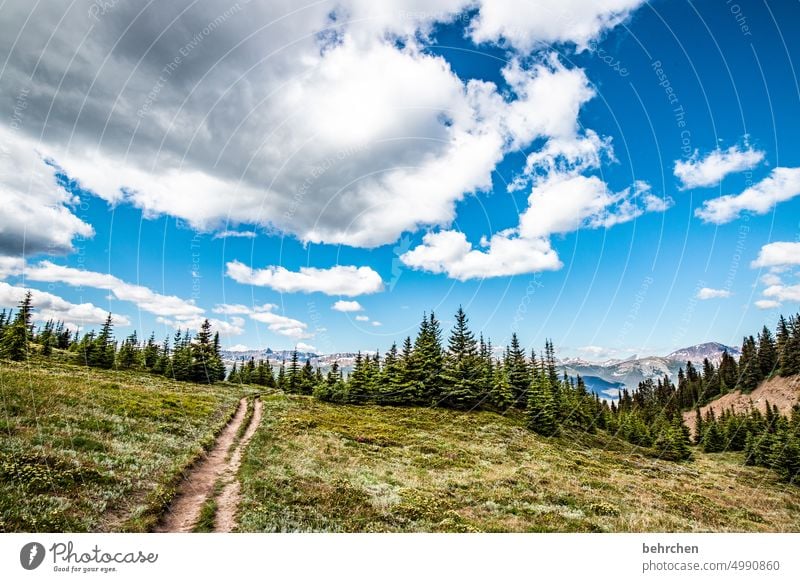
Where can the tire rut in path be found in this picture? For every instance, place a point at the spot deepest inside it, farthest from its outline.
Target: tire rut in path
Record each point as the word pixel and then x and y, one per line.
pixel 198 485
pixel 228 500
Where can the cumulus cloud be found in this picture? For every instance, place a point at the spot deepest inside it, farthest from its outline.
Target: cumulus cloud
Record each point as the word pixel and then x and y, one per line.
pixel 709 293
pixel 783 292
pixel 39 214
pixel 10 266
pixel 362 318
pixel 305 347
pixel 219 136
pixel 702 172
pixel 339 280
pixel 767 304
pixel 559 204
pixel 781 185
pixel 231 327
pixel 526 25
pixel 376 324
pixel 778 254
pixel 347 306
pixel 275 322
pixel 48 306
pixel 142 297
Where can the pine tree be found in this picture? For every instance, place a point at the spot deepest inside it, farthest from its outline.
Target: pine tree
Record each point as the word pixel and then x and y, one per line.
pixel 128 356
pixel 541 408
pixel 150 353
pixel 461 375
pixel 104 352
pixel 427 359
pixel 16 339
pixel 519 377
pixel 307 378
pixel 293 374
pixel 767 353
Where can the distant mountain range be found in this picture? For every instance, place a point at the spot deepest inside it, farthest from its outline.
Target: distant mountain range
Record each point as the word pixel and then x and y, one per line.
pixel 607 378
pixel 603 378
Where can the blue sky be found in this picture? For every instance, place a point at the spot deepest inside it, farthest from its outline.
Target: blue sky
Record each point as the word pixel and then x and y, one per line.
pixel 380 147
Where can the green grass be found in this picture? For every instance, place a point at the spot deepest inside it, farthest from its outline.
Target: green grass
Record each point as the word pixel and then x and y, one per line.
pixel 90 450
pixel 319 467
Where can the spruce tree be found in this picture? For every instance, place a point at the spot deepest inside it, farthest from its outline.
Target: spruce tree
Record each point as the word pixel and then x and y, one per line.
pixel 540 410
pixel 16 339
pixel 461 375
pixel 519 377
pixel 767 353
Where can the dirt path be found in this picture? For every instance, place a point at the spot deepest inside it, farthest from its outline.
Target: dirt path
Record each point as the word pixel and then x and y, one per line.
pixel 199 483
pixel 228 500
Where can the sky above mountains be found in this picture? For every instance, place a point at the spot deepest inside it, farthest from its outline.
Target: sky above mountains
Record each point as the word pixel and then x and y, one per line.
pixel 621 176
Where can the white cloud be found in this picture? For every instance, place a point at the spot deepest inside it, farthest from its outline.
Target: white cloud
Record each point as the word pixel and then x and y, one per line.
pixel 697 172
pixel 709 293
pixel 362 318
pixel 558 204
pixel 347 306
pixel 239 348
pixel 778 254
pixel 338 280
pixel 226 328
pixel 48 306
pixel 38 214
pixel 235 234
pixel 348 119
pixel 593 350
pixel 771 279
pixel 526 25
pixel 376 324
pixel 767 304
pixel 781 185
pixel 449 252
pixel 142 297
pixel 276 323
pixel 305 347
pixel 783 292
pixel 10 266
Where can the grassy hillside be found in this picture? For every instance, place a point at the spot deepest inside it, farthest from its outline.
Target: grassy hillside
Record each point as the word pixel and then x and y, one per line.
pixel 321 467
pixel 89 450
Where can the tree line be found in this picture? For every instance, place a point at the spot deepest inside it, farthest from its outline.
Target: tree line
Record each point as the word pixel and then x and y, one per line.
pixel 762 357
pixel 189 358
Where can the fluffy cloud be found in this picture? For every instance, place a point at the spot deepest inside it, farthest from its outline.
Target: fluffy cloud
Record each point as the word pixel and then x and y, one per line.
pixel 698 172
pixel 783 292
pixel 347 306
pixel 305 347
pixel 778 254
pixel 767 304
pixel 526 25
pixel 362 318
pixel 38 214
pixel 781 185
pixel 48 306
pixel 338 280
pixel 449 252
pixel 168 306
pixel 559 204
pixel 214 133
pixel 10 266
pixel 226 328
pixel 276 323
pixel 709 293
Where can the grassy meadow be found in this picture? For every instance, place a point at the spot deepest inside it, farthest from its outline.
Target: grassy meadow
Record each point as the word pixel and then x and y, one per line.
pixel 320 467
pixel 82 449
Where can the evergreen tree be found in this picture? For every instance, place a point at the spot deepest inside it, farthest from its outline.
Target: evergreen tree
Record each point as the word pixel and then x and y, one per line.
pixel 150 353
pixel 767 353
pixel 541 408
pixel 104 352
pixel 461 376
pixel 16 339
pixel 128 356
pixel 293 380
pixel 307 378
pixel 519 377
pixel 427 359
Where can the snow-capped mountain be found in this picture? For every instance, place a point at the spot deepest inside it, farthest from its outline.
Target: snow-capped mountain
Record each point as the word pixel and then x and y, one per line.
pixel 631 371
pixel 711 350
